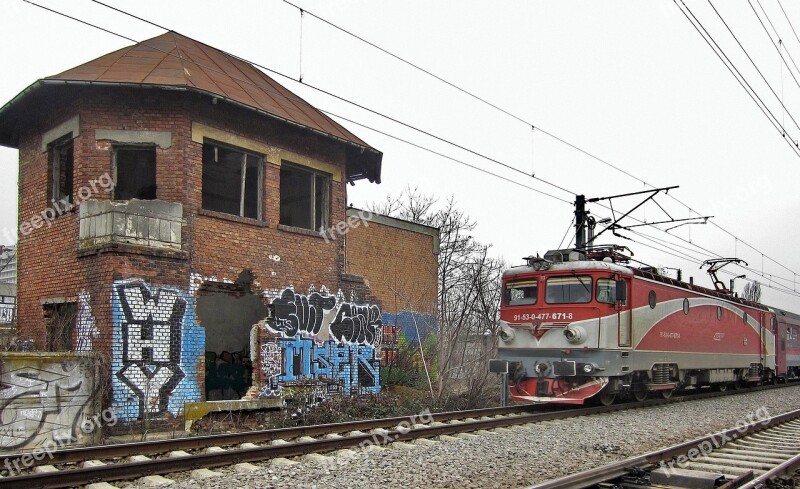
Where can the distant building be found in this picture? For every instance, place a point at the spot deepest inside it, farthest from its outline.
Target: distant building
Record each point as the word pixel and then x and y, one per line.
pixel 8 265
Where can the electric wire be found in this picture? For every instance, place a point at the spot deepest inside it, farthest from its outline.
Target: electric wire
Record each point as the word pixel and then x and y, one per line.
pixel 756 66
pixel 736 73
pixel 776 31
pixel 357 105
pixel 318 89
pixel 789 22
pixel 436 137
pixel 518 118
pixel 437 153
pixel 773 42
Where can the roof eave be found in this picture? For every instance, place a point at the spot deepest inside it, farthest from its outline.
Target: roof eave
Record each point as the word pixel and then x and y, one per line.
pixel 372 157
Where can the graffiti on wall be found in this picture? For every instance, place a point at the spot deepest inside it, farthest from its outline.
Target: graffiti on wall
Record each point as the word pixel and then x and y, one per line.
pixel 45 399
pixel 409 328
pixel 86 327
pixel 322 338
pixel 156 349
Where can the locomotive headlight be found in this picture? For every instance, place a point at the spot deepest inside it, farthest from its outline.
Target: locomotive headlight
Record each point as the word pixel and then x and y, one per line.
pixel 575 334
pixel 588 368
pixel 505 332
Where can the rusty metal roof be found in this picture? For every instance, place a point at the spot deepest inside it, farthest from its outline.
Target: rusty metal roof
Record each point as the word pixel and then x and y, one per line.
pixel 175 61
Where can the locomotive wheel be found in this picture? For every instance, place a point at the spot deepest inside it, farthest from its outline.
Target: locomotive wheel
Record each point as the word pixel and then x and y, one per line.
pixel 607 398
pixel 639 392
pixel 722 387
pixel 667 393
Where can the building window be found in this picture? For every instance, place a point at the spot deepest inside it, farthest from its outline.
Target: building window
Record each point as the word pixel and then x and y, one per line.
pixel 232 180
pixel 135 173
pixel 61 167
pixel 304 197
pixel 60 320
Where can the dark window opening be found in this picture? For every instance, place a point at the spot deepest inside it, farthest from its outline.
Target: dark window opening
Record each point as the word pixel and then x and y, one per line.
pixel 231 181
pixel 651 299
pixel 135 173
pixel 60 321
pixel 61 169
pixel 229 313
pixel 304 197
pixel 568 290
pixel 521 292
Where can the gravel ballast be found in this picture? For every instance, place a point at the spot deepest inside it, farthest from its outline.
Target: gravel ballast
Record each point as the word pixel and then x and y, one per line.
pixel 517 457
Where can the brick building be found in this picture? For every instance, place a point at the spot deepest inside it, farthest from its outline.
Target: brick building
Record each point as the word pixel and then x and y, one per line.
pixel 398 260
pixel 171 198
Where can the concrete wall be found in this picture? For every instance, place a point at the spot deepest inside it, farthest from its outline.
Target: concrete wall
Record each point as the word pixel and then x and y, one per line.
pixel 49 400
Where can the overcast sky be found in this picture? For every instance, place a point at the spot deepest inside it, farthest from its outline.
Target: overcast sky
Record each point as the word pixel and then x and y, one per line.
pixel 631 82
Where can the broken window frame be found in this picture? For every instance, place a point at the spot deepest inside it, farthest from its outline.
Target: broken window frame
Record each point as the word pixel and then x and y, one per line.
pixel 243 180
pixel 61 169
pixel 316 221
pixel 61 319
pixel 117 180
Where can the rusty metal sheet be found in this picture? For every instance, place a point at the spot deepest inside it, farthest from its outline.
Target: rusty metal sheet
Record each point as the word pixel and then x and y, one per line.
pixel 172 59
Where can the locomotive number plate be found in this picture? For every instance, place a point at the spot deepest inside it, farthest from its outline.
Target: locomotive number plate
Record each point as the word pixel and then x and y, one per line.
pixel 544 316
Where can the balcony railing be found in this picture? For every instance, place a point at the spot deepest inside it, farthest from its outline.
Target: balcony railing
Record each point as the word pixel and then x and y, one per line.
pixel 149 223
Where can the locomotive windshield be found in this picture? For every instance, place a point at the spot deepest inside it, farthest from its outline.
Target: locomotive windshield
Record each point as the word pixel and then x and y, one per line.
pixel 568 290
pixel 522 292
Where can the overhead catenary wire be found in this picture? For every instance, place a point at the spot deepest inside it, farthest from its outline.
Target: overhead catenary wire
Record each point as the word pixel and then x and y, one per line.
pixel 350 102
pixel 517 117
pixel 442 155
pixel 709 39
pixel 758 70
pixel 464 91
pixel 766 16
pixel 313 87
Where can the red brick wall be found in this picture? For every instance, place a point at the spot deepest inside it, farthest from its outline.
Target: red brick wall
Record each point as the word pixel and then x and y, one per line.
pixel 52 266
pixel 217 246
pixel 399 265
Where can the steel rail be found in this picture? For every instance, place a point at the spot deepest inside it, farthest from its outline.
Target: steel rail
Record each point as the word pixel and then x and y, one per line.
pixel 612 471
pixel 130 470
pixel 782 469
pixel 116 450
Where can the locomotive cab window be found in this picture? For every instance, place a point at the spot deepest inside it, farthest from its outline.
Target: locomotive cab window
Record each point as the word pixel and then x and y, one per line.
pixel 607 291
pixel 522 292
pixel 568 290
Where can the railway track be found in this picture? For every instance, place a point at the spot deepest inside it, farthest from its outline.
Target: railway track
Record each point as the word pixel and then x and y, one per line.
pixel 748 456
pixel 107 463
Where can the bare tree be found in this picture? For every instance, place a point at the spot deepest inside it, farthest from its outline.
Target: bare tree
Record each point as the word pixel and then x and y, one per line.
pixel 468 296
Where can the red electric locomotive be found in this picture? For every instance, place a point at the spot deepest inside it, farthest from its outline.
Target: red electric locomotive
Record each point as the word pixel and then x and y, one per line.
pixel 583 323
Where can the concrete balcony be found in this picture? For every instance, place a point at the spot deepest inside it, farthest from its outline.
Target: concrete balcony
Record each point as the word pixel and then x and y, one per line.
pixel 152 224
